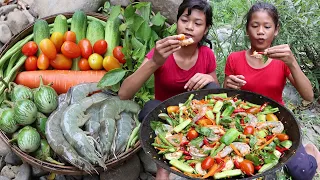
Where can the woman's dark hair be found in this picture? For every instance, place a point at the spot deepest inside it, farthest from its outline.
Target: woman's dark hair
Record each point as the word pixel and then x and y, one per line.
pixel 201 5
pixel 262 6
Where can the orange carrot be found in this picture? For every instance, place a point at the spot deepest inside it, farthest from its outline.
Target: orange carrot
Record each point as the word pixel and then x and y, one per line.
pixel 192 175
pixel 62 79
pixel 268 142
pixel 235 150
pixel 211 172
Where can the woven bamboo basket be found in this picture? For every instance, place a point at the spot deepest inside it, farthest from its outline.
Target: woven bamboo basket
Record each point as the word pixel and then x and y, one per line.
pixel 66 169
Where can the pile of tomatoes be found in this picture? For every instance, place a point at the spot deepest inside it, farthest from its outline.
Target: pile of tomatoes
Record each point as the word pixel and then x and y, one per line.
pixel 59 51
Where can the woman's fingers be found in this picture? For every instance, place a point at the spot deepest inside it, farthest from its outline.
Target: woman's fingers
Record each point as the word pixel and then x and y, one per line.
pixel 235 82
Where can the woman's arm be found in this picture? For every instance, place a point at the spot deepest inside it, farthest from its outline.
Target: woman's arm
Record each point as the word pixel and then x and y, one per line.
pixel 300 81
pixel 297 77
pixel 134 82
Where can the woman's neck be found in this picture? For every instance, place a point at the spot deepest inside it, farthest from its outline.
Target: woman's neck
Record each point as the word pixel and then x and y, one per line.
pixel 187 52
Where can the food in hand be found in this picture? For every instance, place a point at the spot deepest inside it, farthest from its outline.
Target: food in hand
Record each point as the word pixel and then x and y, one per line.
pixel 260 55
pixel 184 41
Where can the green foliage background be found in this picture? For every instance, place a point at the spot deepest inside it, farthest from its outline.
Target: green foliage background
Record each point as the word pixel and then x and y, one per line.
pixel 299 27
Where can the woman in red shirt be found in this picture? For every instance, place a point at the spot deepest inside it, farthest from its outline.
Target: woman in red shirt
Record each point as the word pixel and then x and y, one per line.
pixel 246 72
pixel 178 68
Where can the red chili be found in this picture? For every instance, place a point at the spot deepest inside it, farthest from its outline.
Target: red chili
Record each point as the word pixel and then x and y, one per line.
pixel 221 166
pixel 281 149
pixel 186 153
pixel 182 148
pixel 239 110
pixel 184 143
pixel 207 143
pixel 242 121
pixel 263 106
pixel 192 164
pixel 235 99
pixel 236 164
pixel 268 137
pixel 188 157
pixel 219 160
pixel 257 167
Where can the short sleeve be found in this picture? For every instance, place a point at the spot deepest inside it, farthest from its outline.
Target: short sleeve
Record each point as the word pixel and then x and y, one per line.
pixel 150 54
pixel 228 70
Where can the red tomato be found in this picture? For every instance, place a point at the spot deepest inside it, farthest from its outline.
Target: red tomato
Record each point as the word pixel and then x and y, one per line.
pixel 253 110
pixel 192 133
pixel 84 64
pixel 248 130
pixel 70 49
pixel 171 109
pixel 282 137
pixel 247 167
pixel 117 53
pixel 57 39
pixel 207 163
pixel 30 48
pixel 100 47
pixel 109 63
pixel 31 63
pixel 43 62
pixel 85 47
pixel 70 36
pixel 47 48
pixel 61 62
pixel 271 117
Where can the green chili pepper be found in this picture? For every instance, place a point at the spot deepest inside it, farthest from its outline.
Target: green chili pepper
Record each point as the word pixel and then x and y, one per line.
pixel 162 137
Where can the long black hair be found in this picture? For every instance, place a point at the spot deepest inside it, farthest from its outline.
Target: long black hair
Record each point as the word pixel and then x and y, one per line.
pixel 201 5
pixel 263 6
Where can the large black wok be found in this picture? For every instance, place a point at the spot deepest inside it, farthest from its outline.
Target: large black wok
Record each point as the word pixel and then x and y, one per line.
pixel 291 126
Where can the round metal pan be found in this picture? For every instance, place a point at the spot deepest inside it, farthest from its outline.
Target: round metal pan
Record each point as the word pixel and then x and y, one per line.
pixel 291 125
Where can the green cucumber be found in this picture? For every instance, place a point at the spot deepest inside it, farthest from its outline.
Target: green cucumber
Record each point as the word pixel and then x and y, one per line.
pixel 112 34
pixel 227 173
pixel 41 31
pixel 79 24
pixel 60 24
pixel 217 107
pixel 182 125
pixel 95 32
pixel 181 165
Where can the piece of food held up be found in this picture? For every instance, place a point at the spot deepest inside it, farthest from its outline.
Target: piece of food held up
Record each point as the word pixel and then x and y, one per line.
pixel 184 41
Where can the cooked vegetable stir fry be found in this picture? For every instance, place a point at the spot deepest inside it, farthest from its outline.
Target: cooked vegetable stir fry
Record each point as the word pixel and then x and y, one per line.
pixel 220 136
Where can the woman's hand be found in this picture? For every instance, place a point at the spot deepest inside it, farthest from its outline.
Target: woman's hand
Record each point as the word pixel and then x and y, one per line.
pixel 281 52
pixel 234 81
pixel 198 81
pixel 165 47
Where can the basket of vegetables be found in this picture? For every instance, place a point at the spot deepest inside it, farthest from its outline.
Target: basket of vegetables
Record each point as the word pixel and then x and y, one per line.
pixel 53 113
pixel 220 134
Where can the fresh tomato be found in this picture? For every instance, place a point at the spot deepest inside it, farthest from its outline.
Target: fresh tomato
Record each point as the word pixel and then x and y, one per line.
pixel 271 117
pixel 181 37
pixel 109 63
pixel 47 48
pixel 100 47
pixel 248 130
pixel 204 122
pixel 70 49
pixel 57 39
pixel 84 64
pixel 207 163
pixel 171 109
pixel 95 61
pixel 70 36
pixel 30 48
pixel 31 63
pixel 85 47
pixel 257 167
pixel 247 167
pixel 282 137
pixel 117 53
pixel 61 62
pixel 253 110
pixel 192 133
pixel 43 62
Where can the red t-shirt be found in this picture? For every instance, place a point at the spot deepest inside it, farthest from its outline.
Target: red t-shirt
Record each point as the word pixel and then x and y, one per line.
pixel 170 79
pixel 268 81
